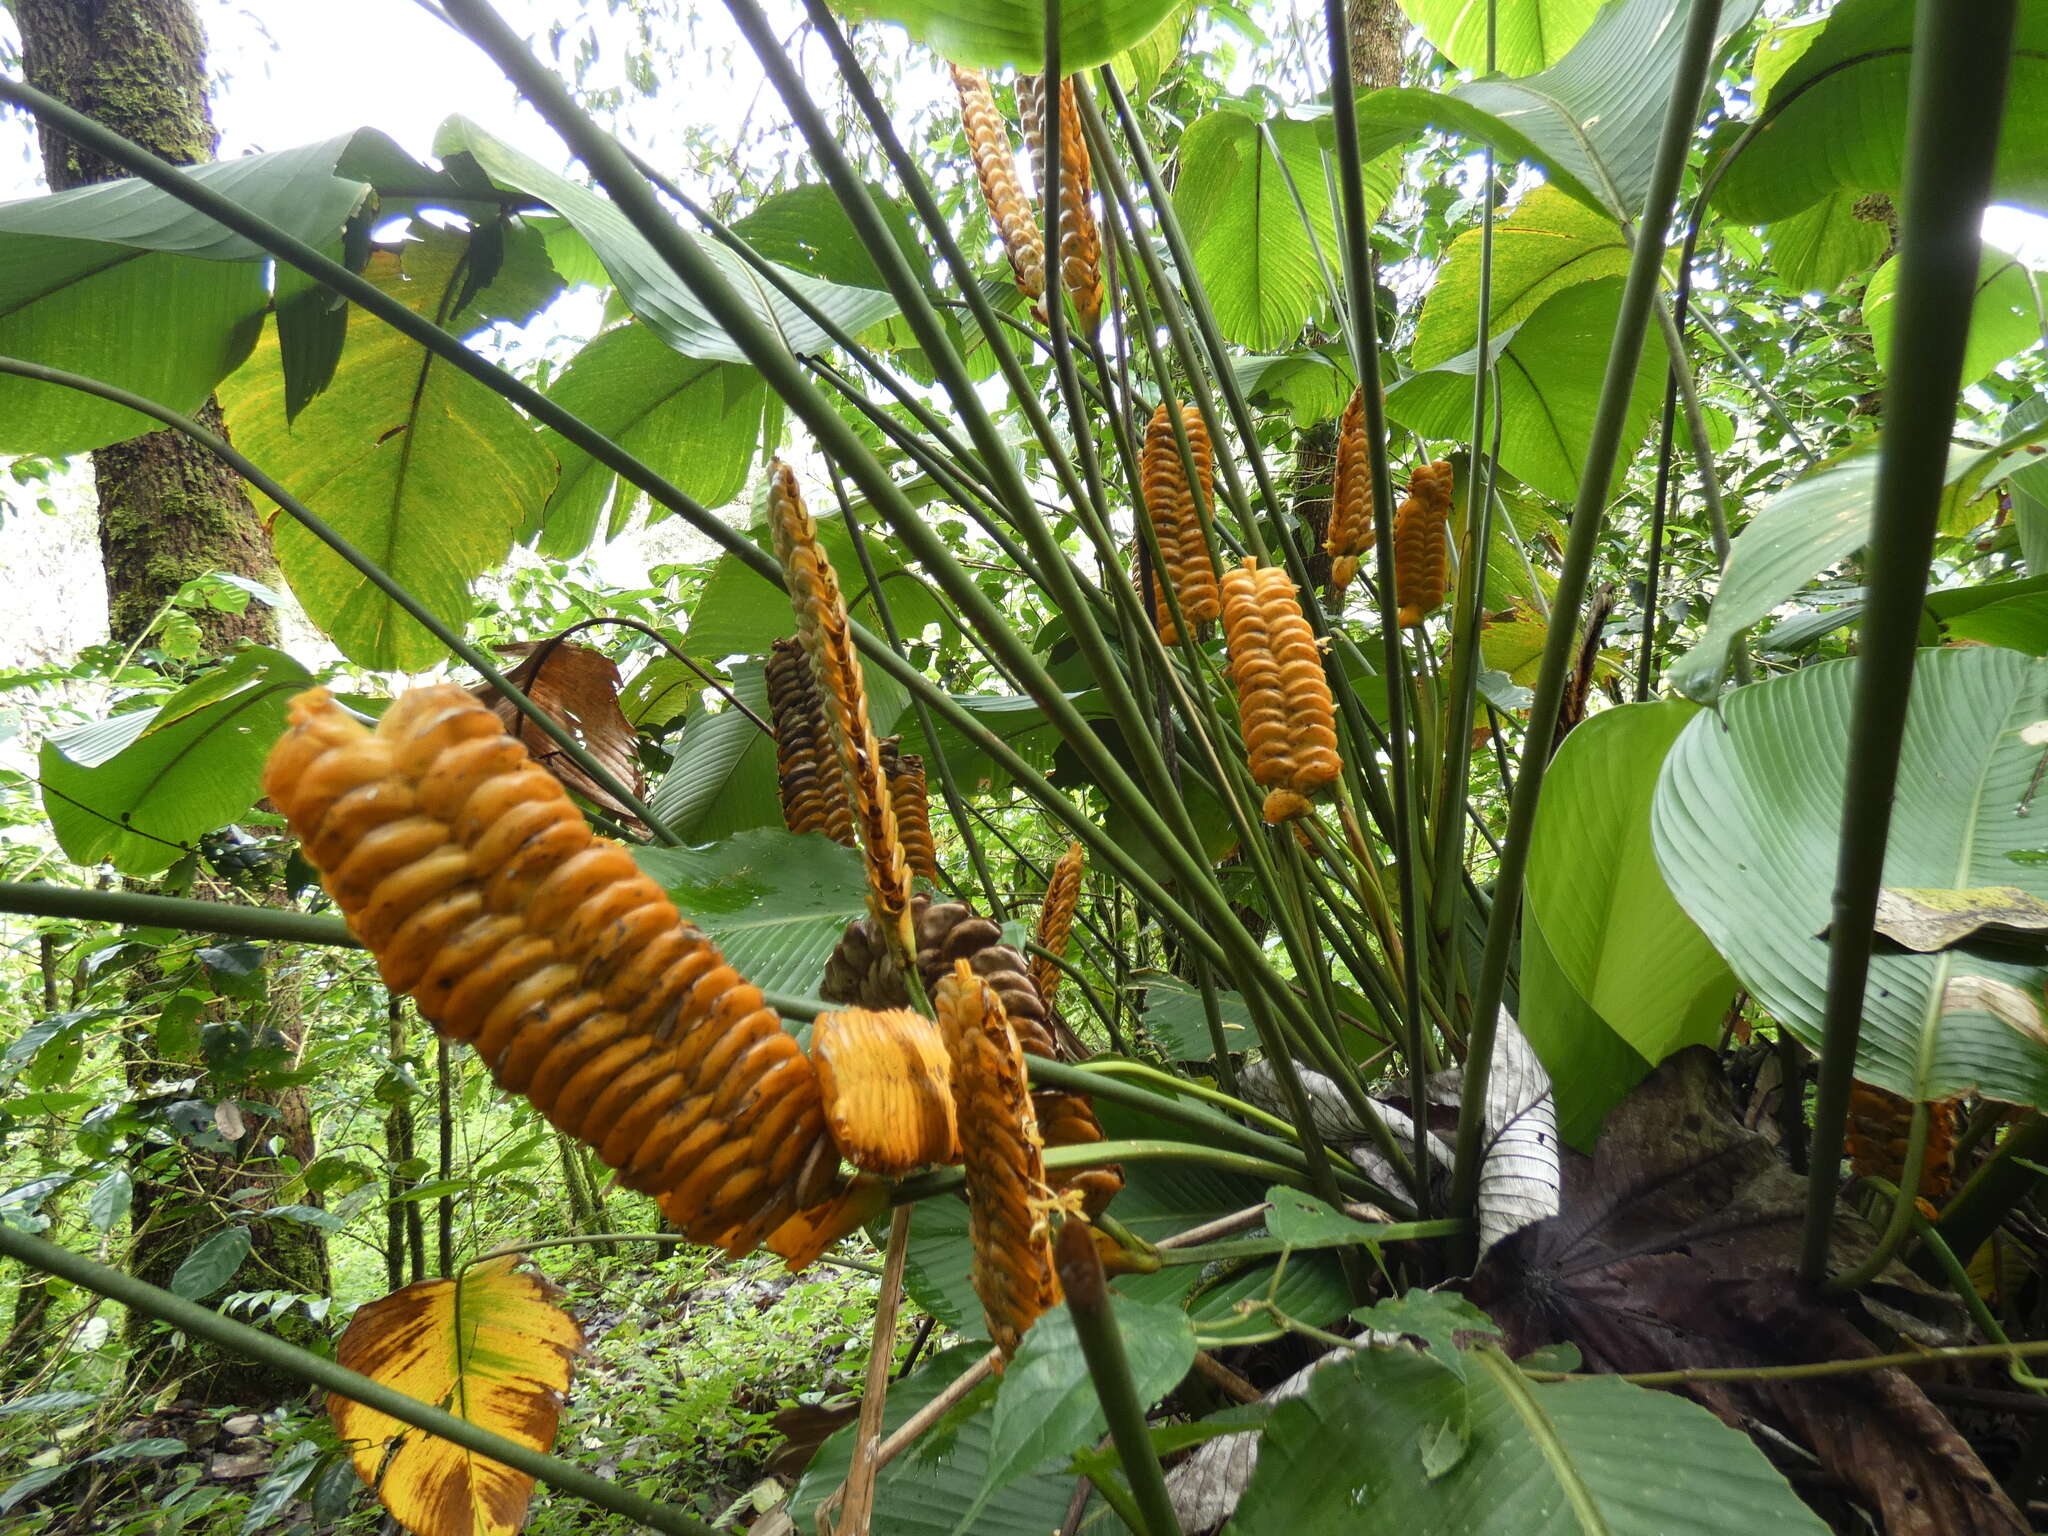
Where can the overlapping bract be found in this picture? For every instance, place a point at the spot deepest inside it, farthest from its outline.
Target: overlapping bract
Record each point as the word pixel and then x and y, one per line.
pixel 1421 555
pixel 988 140
pixel 823 627
pixel 1285 709
pixel 807 776
pixel 888 1089
pixel 1056 920
pixel 1007 1197
pixel 1351 524
pixel 1176 515
pixel 905 773
pixel 474 880
pixel 1879 1123
pixel 1080 243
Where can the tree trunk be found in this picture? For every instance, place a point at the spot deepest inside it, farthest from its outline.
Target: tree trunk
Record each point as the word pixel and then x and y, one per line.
pixel 1377 30
pixel 169 512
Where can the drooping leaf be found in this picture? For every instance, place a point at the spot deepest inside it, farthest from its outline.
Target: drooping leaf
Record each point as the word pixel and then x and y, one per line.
pixel 693 421
pixel 212 1264
pixel 493 1347
pixel 2005 319
pixel 1592 1064
pixel 137 789
pixel 775 902
pixel 579 688
pixel 1939 919
pixel 1528 37
pixel 1549 243
pixel 992 33
pixel 1620 940
pixel 1821 247
pixel 1746 820
pixel 1837 117
pixel 422 468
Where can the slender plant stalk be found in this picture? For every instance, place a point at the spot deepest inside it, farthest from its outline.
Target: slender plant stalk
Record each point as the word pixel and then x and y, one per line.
pixel 1955 97
pixel 1646 663
pixel 857 1497
pixel 1589 511
pixel 202 1322
pixel 1974 1212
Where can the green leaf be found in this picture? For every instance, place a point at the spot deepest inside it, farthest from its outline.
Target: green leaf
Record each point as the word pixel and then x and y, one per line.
pixel 124 283
pixel 1046 1407
pixel 2005 317
pixel 1607 917
pixel 723 777
pixel 1531 36
pixel 1255 256
pixel 645 281
pixel 1307 1222
pixel 924 1491
pixel 1837 117
pixel 992 33
pixel 1550 368
pixel 1435 1317
pixel 1821 247
pixel 1746 820
pixel 693 421
pixel 775 903
pixel 111 1198
pixel 1590 1065
pixel 2016 623
pixel 1364 1448
pixel 1310 1288
pixel 1310 386
pixel 1175 1019
pixel 1551 242
pixel 211 1265
pixel 136 789
pixel 425 470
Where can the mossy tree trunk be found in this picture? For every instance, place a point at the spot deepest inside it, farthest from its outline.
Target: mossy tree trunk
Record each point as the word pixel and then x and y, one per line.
pixel 169 512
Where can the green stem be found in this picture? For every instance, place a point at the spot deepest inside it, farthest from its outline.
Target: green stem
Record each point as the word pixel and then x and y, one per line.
pixel 202 1322
pixel 1588 515
pixel 2005 1179
pixel 1955 97
pixel 1900 1221
pixel 1096 1154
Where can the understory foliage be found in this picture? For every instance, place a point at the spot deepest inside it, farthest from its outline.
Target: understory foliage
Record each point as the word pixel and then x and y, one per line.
pixel 1300 757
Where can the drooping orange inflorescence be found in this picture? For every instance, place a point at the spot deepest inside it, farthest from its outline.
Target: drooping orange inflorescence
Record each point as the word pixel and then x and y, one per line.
pixel 1056 919
pixel 1080 242
pixel 1284 706
pixel 1007 1196
pixel 474 880
pixel 988 140
pixel 888 1089
pixel 807 776
pixel 1421 555
pixel 824 628
pixel 905 772
pixel 1351 526
pixel 1175 508
pixel 1879 1124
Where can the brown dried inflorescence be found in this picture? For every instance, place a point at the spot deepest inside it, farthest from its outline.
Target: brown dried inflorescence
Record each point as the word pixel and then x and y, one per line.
pixel 1351 525
pixel 825 630
pixel 1056 920
pixel 887 1088
pixel 1285 711
pixel 1421 555
pixel 1080 243
pixel 905 773
pixel 807 776
pixel 1879 1123
pixel 988 140
pixel 1008 1200
pixel 476 883
pixel 1176 509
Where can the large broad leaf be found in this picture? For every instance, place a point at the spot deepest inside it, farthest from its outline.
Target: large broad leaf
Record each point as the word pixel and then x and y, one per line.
pixel 1837 117
pixel 723 777
pixel 694 421
pixel 1392 1439
pixel 1256 257
pixel 1549 368
pixel 925 1491
pixel 123 282
pixel 2005 318
pixel 422 468
pixel 1591 1064
pixel 136 789
pixel 1746 820
pixel 492 1347
pixel 1821 247
pixel 1551 242
pixel 645 281
pixel 1178 1023
pixel 1527 37
pixel 775 902
pixel 1311 385
pixel 992 33
pixel 1606 916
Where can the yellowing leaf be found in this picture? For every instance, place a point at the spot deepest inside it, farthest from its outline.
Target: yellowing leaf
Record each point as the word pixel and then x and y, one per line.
pixel 492 1348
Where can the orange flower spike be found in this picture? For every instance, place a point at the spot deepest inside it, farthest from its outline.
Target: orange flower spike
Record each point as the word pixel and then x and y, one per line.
pixel 1175 509
pixel 1351 522
pixel 1421 543
pixel 807 777
pixel 1056 919
pixel 1286 713
pixel 988 140
pixel 907 793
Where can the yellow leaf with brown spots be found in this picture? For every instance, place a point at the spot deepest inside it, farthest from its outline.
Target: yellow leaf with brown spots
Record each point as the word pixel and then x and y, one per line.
pixel 493 1348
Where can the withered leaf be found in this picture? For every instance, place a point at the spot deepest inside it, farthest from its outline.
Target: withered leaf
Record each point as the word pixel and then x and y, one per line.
pixel 1929 920
pixel 579 688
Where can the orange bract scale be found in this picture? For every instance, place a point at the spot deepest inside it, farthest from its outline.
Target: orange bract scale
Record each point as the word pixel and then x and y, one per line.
pixel 1351 525
pixel 1879 1124
pixel 1285 710
pixel 1421 553
pixel 888 1088
pixel 1175 509
pixel 988 140
pixel 807 776
pixel 905 772
pixel 1056 919
pixel 516 929
pixel 1080 242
